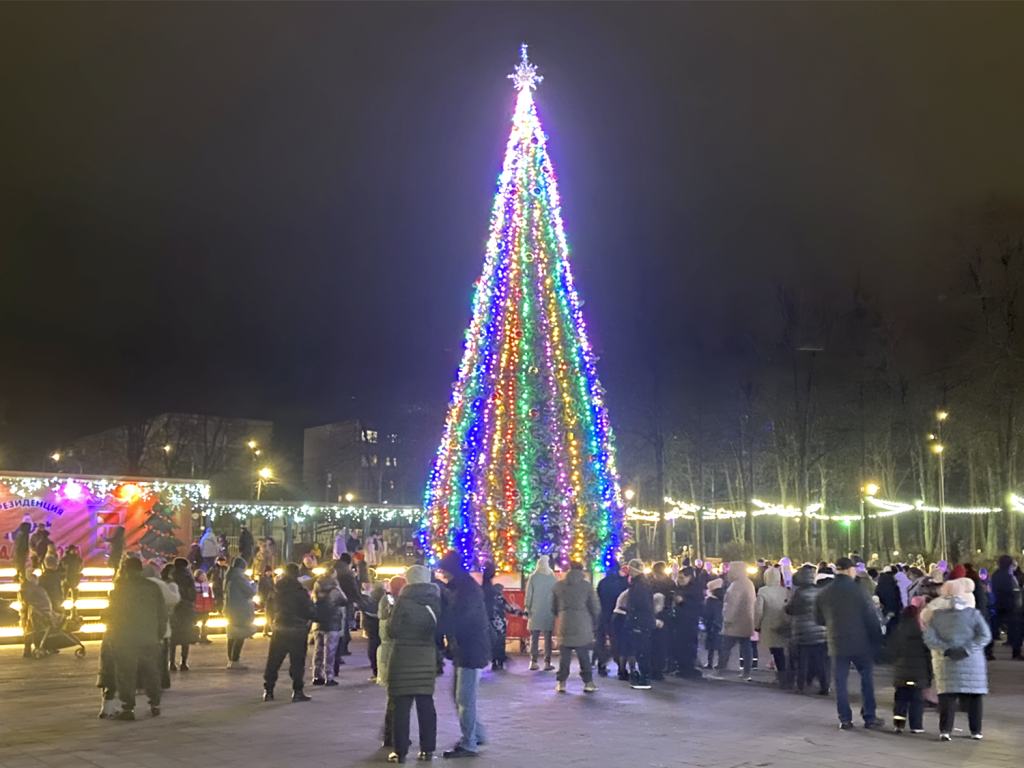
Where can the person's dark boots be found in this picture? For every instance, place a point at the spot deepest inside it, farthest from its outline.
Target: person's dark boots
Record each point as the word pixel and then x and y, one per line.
pixel 300 696
pixel 268 694
pixel 184 666
pixel 124 714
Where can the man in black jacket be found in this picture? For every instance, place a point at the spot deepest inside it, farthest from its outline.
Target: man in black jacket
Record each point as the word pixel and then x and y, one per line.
pixel 136 622
pixel 290 610
pixel 468 638
pixel 1006 602
pixel 854 635
pixel 608 591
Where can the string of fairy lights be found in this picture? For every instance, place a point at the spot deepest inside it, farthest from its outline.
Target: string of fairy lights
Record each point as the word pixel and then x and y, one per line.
pixel 526 464
pixel 681 510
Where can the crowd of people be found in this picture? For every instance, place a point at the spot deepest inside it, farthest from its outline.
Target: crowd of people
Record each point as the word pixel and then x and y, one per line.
pixel 809 625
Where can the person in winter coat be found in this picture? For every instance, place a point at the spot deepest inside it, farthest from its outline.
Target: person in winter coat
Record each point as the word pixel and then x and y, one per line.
pixel 290 610
pixel 239 610
pixel 689 600
pixel 204 603
pixel 21 549
pixel 711 615
pixel 574 603
pixel 71 564
pixel 538 609
pixel 40 543
pixel 264 590
pixel 911 671
pixel 1006 605
pixel 641 622
pixel 772 623
pixel 169 591
pixel 891 603
pixel 136 619
pixel 738 618
pixel 467 632
pixel 246 545
pixel 854 635
pixel 209 547
pixel 662 584
pixel 118 544
pixel 52 580
pixel 808 635
pixel 36 611
pixel 957 636
pixel 411 672
pixel 216 577
pixel 371 626
pixel 329 604
pixel 349 583
pixel 497 608
pixel 183 621
pixel 608 590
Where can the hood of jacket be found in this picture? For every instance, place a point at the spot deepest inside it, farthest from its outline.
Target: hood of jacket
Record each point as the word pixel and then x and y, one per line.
pixel 574 577
pixel 772 577
pixel 543 567
pixel 737 571
pixel 422 594
pixel 804 577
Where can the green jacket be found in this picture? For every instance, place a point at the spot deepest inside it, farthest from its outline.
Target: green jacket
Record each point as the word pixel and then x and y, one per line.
pixel 136 615
pixel 412 657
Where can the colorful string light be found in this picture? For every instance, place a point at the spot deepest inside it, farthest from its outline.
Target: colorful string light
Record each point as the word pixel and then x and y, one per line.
pixel 526 465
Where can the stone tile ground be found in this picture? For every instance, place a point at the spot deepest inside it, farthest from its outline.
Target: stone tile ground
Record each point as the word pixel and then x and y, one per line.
pixel 214 717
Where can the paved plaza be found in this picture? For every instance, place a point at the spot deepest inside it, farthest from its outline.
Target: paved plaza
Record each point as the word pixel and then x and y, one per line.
pixel 214 717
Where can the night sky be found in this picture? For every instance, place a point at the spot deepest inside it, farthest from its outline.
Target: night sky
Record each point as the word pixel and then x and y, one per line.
pixel 278 210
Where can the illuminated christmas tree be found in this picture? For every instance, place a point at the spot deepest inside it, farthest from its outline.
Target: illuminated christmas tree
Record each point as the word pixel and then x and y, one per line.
pixel 159 540
pixel 526 465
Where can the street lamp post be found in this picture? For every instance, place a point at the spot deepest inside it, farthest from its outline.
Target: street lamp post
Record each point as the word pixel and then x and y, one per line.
pixel 943 542
pixel 868 490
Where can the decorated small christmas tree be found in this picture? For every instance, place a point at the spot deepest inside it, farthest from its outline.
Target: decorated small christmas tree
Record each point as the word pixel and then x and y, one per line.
pixel 526 465
pixel 159 541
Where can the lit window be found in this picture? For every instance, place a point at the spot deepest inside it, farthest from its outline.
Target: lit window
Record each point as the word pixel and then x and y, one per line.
pixel 373 460
pixel 370 436
pixel 392 485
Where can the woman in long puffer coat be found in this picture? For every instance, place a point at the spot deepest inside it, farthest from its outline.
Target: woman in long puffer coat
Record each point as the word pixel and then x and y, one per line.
pixel 957 635
pixel 538 608
pixel 772 623
pixel 412 663
pixel 239 610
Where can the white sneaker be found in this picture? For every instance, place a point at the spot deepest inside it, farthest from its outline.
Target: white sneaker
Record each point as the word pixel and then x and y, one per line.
pixel 236 665
pixel 945 737
pixel 110 708
pixel 534 666
pixel 589 688
pixel 977 736
pixel 560 687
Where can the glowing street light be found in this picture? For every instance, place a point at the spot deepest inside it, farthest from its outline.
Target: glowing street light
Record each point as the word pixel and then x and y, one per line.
pixel 872 489
pixel 265 473
pixel 629 494
pixel 252 445
pixel 56 457
pixel 167 449
pixel 349 497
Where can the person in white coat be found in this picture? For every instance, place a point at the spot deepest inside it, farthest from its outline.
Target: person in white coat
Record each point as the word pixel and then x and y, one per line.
pixel 171 598
pixel 772 623
pixel 208 548
pixel 540 611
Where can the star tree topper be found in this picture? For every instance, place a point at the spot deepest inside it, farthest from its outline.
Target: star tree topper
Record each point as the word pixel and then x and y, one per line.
pixel 525 75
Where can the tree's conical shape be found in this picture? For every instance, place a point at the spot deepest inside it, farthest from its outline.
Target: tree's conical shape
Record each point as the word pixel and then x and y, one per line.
pixel 526 466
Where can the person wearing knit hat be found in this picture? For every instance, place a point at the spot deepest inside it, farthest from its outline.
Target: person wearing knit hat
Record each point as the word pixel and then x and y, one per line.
pixel 957 635
pixel 636 567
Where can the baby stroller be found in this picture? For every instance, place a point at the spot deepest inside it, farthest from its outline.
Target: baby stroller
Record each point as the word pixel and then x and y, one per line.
pixel 52 634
